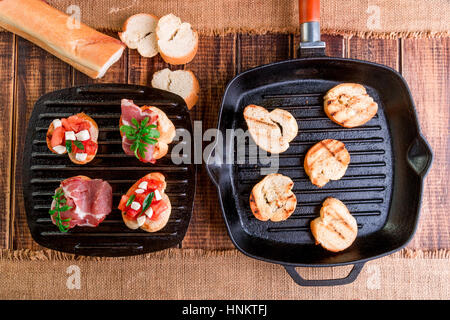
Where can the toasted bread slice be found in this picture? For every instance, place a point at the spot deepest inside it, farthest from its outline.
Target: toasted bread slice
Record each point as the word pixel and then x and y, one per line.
pixel 181 82
pixel 177 42
pixel 335 229
pixel 272 131
pixel 139 32
pixel 349 105
pixel 150 225
pixel 326 160
pixel 272 198
pixel 166 130
pixel 93 133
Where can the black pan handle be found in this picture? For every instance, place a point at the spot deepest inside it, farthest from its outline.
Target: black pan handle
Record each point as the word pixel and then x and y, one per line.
pixel 324 282
pixel 309 17
pixel 420 156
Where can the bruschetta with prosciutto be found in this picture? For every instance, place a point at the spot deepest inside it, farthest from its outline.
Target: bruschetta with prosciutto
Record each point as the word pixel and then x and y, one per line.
pixel 146 131
pixel 146 205
pixel 80 201
pixel 76 135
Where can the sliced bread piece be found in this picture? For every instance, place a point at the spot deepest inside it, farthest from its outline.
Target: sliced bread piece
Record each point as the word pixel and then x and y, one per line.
pixel 271 131
pixel 181 82
pixel 139 32
pixel 272 198
pixel 177 42
pixel 335 229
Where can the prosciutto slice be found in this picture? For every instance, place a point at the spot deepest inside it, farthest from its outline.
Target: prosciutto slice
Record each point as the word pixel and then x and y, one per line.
pixel 91 201
pixel 131 111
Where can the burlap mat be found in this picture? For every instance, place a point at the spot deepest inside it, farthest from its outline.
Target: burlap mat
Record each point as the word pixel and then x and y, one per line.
pixel 364 18
pixel 199 274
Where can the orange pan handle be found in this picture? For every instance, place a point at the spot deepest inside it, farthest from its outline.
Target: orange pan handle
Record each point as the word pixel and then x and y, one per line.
pixel 309 18
pixel 309 10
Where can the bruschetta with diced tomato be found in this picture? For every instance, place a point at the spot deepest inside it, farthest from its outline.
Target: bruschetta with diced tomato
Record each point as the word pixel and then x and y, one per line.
pixel 76 135
pixel 146 205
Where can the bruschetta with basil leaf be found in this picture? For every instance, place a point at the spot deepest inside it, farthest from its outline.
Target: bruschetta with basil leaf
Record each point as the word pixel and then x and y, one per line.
pixel 146 205
pixel 76 135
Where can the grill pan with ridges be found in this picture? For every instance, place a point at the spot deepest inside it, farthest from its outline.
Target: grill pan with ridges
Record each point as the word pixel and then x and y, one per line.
pixel 43 171
pixel 382 187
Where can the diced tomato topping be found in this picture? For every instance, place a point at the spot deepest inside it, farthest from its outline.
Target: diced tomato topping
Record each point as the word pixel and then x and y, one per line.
pixel 57 137
pixel 90 147
pixel 78 124
pixel 123 202
pixel 153 184
pixel 158 208
pixel 131 213
pixel 66 124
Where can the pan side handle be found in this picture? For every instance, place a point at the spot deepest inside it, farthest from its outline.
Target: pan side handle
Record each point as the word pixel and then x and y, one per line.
pixel 420 156
pixel 298 279
pixel 309 18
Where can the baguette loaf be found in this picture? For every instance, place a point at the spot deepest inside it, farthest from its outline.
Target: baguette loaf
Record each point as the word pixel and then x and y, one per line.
pixel 181 82
pixel 84 48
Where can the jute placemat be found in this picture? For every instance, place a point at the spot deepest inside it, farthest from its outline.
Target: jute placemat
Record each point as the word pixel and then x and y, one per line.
pixel 200 274
pixel 364 18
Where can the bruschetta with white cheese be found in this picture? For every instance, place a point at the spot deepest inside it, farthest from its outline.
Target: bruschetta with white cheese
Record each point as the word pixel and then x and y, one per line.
pixel 76 135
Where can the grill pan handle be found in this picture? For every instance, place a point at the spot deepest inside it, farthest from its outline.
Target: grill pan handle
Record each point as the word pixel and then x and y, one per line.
pixel 309 17
pixel 420 156
pixel 325 282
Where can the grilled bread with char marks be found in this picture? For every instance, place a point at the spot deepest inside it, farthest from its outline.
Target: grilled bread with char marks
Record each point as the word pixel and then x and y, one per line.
pixel 272 198
pixel 335 229
pixel 271 131
pixel 349 105
pixel 326 160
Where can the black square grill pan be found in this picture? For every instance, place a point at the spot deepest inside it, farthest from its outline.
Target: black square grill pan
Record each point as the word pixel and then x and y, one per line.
pixel 382 186
pixel 43 171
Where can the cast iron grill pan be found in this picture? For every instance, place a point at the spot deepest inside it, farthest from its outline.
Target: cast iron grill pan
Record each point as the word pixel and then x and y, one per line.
pixel 43 171
pixel 382 186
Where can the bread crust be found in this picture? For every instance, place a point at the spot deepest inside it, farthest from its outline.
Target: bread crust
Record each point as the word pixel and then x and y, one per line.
pixel 192 98
pixel 272 198
pixel 89 158
pixel 125 27
pixel 163 218
pixel 271 131
pixel 166 130
pixel 179 60
pixel 84 48
pixel 335 229
pixel 349 105
pixel 326 160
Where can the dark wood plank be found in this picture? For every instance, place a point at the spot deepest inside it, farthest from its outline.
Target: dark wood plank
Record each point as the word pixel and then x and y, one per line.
pixel 38 72
pixel 214 66
pixel 7 65
pixel 426 68
pixel 375 50
pixel 256 50
pixel 117 73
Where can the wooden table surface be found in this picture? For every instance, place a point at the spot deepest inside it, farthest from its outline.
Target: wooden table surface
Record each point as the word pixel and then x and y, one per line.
pixel 28 72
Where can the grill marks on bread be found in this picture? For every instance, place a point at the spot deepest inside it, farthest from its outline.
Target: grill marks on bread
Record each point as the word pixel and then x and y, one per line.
pixel 335 229
pixel 326 160
pixel 271 131
pixel 349 105
pixel 272 198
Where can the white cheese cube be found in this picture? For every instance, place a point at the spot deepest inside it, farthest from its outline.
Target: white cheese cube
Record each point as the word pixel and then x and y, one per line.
pixel 135 205
pixel 140 220
pixel 56 123
pixel 59 149
pixel 143 185
pixel 80 156
pixel 70 135
pixel 149 212
pixel 157 195
pixel 83 135
pixel 139 191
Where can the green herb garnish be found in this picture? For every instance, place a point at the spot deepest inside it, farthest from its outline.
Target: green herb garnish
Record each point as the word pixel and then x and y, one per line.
pixel 56 212
pixel 69 146
pixel 78 144
pixel 130 200
pixel 147 201
pixel 142 134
